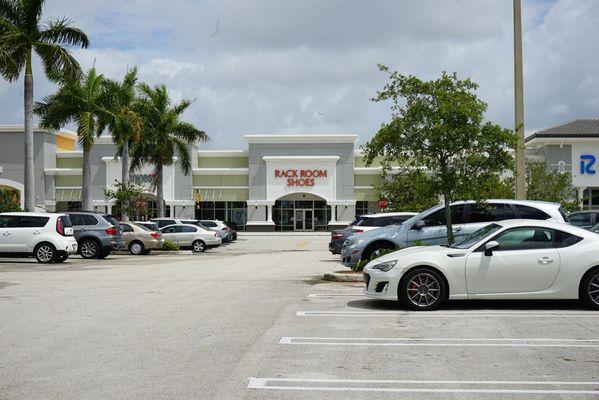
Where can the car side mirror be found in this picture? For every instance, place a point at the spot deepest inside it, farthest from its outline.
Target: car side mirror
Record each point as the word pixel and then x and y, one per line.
pixel 418 225
pixel 489 247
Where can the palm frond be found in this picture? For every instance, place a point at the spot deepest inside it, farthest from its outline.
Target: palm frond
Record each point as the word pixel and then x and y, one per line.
pixel 12 11
pixel 32 11
pixel 58 63
pixel 61 31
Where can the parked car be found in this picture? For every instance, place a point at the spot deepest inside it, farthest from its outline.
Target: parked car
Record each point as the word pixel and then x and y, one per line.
pixel 429 228
pixel 162 222
pixel 515 259
pixel 584 219
pixel 97 234
pixel 219 226
pixel 139 239
pixel 595 228
pixel 149 224
pixel 46 236
pixel 365 223
pixel 188 236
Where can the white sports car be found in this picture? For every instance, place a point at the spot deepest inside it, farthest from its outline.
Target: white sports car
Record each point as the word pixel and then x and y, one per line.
pixel 515 259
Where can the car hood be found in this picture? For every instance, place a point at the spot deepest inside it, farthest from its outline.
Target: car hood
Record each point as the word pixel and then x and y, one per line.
pixel 417 252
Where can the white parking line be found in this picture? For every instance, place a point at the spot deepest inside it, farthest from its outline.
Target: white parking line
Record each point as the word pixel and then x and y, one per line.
pixel 461 314
pixel 439 342
pixel 419 386
pixel 312 295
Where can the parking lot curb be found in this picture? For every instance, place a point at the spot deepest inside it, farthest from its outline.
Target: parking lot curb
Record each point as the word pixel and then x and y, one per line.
pixel 339 277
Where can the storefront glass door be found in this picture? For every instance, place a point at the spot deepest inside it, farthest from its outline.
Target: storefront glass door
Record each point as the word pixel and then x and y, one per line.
pixel 304 220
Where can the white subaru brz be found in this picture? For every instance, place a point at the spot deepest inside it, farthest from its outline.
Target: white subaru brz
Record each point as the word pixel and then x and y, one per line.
pixel 515 259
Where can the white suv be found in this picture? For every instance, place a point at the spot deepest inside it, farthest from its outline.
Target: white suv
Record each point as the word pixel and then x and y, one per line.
pixel 47 237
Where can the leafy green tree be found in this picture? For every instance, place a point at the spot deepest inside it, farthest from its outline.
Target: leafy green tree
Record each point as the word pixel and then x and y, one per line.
pixel 128 197
pixel 439 125
pixel 9 200
pixel 83 102
pixel 164 136
pixel 550 186
pixel 22 34
pixel 409 190
pixel 123 123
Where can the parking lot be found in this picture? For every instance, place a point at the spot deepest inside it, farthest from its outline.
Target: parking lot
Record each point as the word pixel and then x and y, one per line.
pixel 253 320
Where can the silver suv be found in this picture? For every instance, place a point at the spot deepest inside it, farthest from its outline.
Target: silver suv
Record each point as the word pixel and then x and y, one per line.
pixel 97 234
pixel 428 227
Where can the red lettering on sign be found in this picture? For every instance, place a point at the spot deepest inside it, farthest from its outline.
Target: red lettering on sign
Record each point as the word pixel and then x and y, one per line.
pixel 306 176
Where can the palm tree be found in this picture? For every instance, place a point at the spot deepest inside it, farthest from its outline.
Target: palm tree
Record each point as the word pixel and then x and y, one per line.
pixel 123 123
pixel 82 102
pixel 164 137
pixel 21 34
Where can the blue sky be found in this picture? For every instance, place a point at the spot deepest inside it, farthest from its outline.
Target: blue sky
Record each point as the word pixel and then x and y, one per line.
pixel 277 66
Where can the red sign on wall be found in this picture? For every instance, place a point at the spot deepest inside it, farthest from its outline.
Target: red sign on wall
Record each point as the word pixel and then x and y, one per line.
pixel 301 177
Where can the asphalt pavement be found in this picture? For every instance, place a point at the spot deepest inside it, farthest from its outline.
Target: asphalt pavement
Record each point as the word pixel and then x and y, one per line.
pixel 253 320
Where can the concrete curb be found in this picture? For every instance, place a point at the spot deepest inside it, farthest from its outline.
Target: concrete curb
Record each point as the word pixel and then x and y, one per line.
pixel 337 277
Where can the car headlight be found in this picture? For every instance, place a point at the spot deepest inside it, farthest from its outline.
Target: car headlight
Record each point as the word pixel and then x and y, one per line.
pixel 385 266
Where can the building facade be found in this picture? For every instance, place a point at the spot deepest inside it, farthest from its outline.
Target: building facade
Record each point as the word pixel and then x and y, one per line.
pixel 278 183
pixel 571 148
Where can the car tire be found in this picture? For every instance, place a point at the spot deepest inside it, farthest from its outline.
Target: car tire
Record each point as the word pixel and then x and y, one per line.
pixel 44 253
pixel 89 249
pixel 589 289
pixel 60 259
pixel 147 252
pixel 104 254
pixel 376 250
pixel 422 289
pixel 137 248
pixel 198 246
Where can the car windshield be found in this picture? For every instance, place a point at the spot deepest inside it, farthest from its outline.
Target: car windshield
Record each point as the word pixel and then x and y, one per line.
pixel 111 220
pixel 144 227
pixel 476 237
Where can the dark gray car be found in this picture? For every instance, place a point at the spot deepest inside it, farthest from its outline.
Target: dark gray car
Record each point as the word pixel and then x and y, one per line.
pixel 97 234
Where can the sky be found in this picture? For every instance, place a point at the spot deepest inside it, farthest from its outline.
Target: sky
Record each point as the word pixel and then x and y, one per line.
pixel 310 66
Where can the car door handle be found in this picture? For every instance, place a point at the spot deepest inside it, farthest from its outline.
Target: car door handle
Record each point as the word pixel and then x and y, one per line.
pixel 458 229
pixel 5 233
pixel 545 260
pixel 36 232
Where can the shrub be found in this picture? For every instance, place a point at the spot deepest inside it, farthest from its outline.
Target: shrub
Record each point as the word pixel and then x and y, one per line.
pixel 170 246
pixel 9 200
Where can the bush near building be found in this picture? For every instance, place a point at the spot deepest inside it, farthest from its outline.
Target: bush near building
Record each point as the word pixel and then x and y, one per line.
pixel 9 200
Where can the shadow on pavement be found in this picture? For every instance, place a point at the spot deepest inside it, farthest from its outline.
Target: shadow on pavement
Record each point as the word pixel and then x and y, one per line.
pixel 473 305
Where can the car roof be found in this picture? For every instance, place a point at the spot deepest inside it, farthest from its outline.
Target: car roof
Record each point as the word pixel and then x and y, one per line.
pixel 510 201
pixel 562 226
pixel 30 214
pixel 388 214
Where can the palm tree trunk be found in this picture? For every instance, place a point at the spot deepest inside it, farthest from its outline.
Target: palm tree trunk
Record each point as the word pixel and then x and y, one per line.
pixel 125 177
pixel 28 181
pixel 86 200
pixel 159 192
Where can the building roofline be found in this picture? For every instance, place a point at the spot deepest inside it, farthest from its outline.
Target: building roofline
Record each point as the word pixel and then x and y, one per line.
pixel 297 138
pixel 37 129
pixel 543 132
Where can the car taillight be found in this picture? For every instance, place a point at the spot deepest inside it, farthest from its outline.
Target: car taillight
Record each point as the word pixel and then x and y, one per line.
pixel 357 231
pixel 59 227
pixel 336 236
pixel 155 235
pixel 112 231
pixel 216 235
pixel 226 228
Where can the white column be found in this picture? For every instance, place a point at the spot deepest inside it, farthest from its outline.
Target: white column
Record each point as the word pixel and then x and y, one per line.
pixel 269 213
pixel 581 196
pixel 333 213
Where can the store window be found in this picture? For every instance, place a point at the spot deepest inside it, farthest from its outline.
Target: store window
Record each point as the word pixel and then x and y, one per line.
pixel 234 213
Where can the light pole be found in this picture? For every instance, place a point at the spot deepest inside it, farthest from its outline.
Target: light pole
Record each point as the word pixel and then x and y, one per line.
pixel 519 103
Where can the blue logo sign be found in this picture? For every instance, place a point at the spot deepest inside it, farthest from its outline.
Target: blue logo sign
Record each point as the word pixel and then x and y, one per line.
pixel 587 164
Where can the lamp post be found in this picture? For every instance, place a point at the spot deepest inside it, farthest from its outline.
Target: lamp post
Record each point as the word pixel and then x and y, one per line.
pixel 519 103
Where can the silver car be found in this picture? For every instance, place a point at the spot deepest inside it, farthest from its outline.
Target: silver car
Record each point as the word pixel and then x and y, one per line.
pixel 188 236
pixel 428 227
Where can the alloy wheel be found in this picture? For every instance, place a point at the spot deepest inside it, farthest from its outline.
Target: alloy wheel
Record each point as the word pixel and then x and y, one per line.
pixel 45 253
pixel 89 249
pixel 423 289
pixel 136 248
pixel 198 246
pixel 594 289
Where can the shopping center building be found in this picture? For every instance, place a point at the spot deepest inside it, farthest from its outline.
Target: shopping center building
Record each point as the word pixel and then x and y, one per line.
pixel 277 183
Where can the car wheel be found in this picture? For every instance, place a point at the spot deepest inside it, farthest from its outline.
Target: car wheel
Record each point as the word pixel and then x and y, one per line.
pixel 61 259
pixel 377 250
pixel 104 254
pixel 589 290
pixel 147 252
pixel 422 289
pixel 137 248
pixel 44 253
pixel 198 246
pixel 89 249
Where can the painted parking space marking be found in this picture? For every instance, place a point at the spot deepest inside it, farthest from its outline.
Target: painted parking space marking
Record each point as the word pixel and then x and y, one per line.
pixel 469 314
pixel 428 386
pixel 439 342
pixel 325 295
